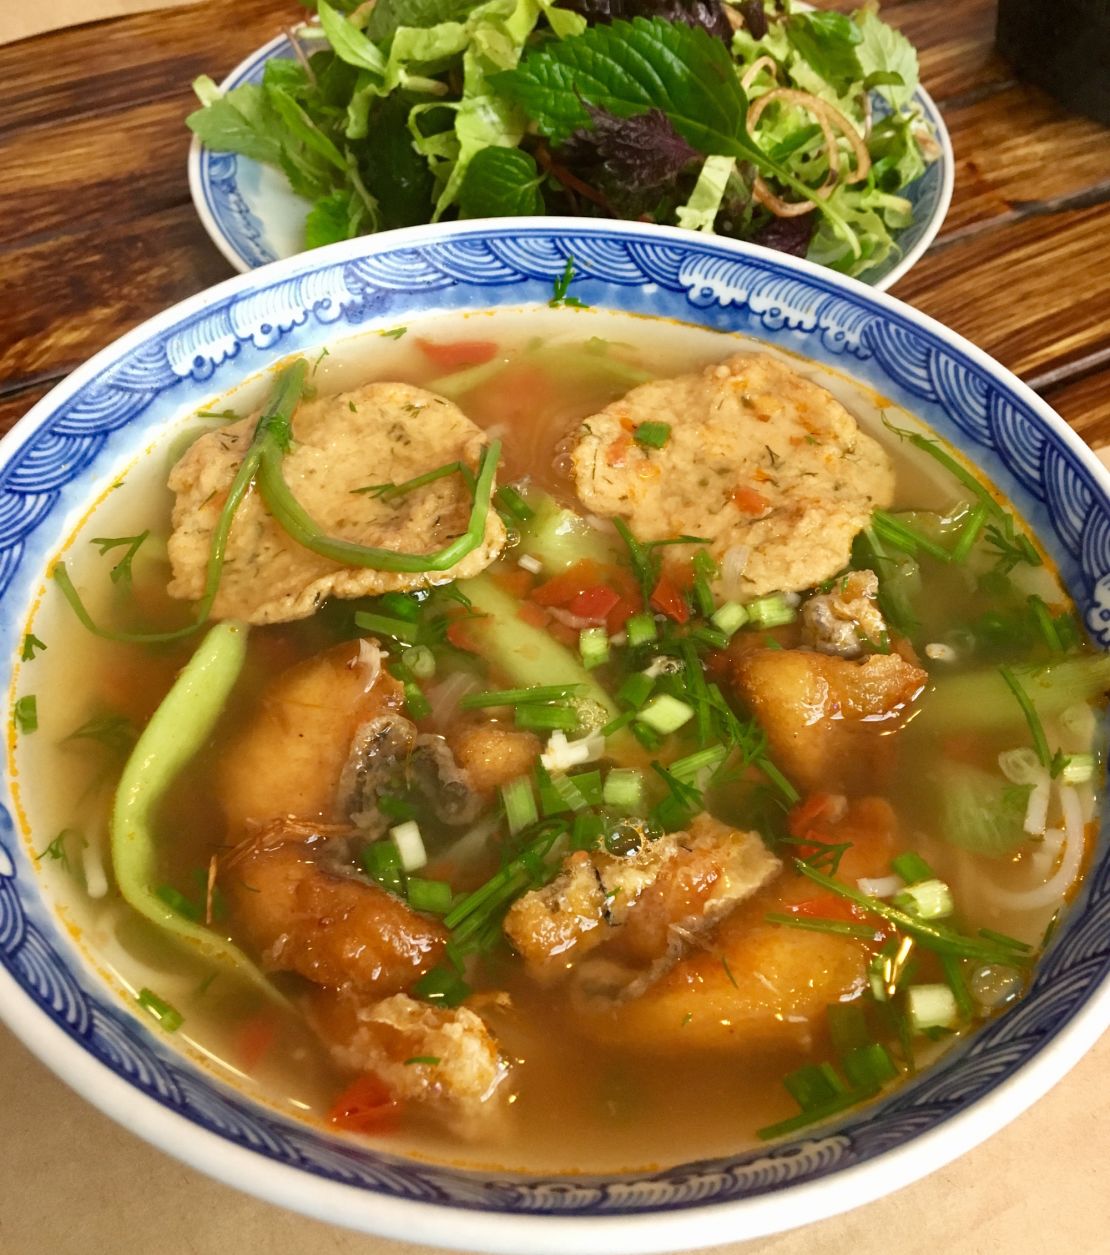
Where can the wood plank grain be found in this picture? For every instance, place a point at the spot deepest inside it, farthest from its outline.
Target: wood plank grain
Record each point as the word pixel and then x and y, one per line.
pixel 105 66
pixel 1085 404
pixel 89 288
pixel 1029 292
pixel 955 44
pixel 1016 148
pixel 103 168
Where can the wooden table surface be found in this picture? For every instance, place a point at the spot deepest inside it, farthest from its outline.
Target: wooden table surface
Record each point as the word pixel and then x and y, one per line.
pixel 99 233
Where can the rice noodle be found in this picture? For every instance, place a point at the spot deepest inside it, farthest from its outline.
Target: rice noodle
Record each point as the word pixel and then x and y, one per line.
pixel 444 698
pixel 1053 889
pixel 732 569
pixel 1036 812
pixel 828 117
pixel 96 880
pixel 880 886
pixel 1022 766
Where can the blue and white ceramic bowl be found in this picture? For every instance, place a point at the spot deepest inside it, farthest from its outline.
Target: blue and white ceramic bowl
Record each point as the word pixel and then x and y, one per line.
pixel 66 452
pixel 254 217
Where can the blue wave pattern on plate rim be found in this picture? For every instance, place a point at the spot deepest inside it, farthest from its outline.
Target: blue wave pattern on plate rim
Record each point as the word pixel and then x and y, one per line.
pixel 246 233
pixel 692 280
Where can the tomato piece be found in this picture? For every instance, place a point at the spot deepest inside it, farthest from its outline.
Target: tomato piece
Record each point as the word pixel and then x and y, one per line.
pixel 535 616
pixel 562 589
pixel 458 353
pixel 517 583
pixel 669 601
pixel 594 603
pixel 748 500
pixel 618 450
pixel 460 634
pixel 254 1039
pixel 623 609
pixel 809 812
pixel 365 1106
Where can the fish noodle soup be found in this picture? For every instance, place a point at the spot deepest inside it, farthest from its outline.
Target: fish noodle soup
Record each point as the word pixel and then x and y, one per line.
pixel 558 740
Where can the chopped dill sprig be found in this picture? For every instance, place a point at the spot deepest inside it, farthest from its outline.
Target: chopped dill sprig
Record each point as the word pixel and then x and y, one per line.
pixel 31 646
pixel 121 572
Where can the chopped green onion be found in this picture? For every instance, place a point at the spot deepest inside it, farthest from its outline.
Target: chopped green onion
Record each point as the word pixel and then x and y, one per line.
pixel 586 831
pixel 168 1017
pixel 969 533
pixel 519 803
pixel 433 896
pixel 517 697
pixel 847 1026
pixel 430 1060
pixel 593 645
pixel 906 538
pixel 398 629
pixel 912 868
pixel 178 902
pixel 401 605
pixel 652 435
pixel 665 714
pixel 624 789
pixel 510 502
pixel 641 629
pixel 648 737
pixel 936 936
pixel 420 661
pixel 382 862
pixel 954 975
pixel 621 721
pixel 927 899
pixel 1003 939
pixel 869 1067
pixel 814 1085
pixel 705 569
pixel 814 924
pixel 813 1115
pixel 770 611
pixel 689 768
pixel 931 1006
pixel 415 702
pixel 1046 623
pixel 546 718
pixel 1036 728
pixel 636 689
pixel 1078 769
pixel 25 712
pixel 442 987
pixel 730 617
pixel 561 793
pixel 410 845
pixel 706 635
pixel 395 807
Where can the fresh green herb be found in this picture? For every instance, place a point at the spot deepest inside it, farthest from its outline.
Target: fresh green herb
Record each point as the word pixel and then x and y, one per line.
pixel 394 333
pixel 121 572
pixel 535 717
pixel 381 860
pixel 57 850
pixel 814 924
pixel 891 529
pixel 1013 548
pixel 398 629
pixel 512 504
pixel 562 287
pixel 1003 939
pixel 652 435
pixel 432 896
pixel 392 492
pixel 25 713
pixel 1036 728
pixel 442 987
pixel 178 902
pixel 430 1061
pixel 31 644
pixel 518 697
pixel 115 732
pixel 168 1017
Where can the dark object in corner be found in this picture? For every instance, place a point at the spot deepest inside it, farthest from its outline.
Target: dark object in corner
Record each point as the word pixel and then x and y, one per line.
pixel 1062 46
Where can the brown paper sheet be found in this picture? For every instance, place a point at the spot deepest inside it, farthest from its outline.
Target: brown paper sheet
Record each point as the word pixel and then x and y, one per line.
pixel 20 19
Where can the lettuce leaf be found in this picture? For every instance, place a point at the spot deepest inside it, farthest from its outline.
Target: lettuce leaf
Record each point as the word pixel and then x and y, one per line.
pixel 700 211
pixel 883 50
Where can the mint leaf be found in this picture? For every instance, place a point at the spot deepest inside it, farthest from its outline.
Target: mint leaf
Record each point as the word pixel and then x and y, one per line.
pixel 235 123
pixel 629 68
pixel 828 42
pixel 885 50
pixel 500 182
pixel 328 220
pixel 348 42
pixel 387 16
pixel 708 14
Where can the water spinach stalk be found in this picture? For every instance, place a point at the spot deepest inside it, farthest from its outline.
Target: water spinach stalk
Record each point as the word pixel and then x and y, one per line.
pixel 177 730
